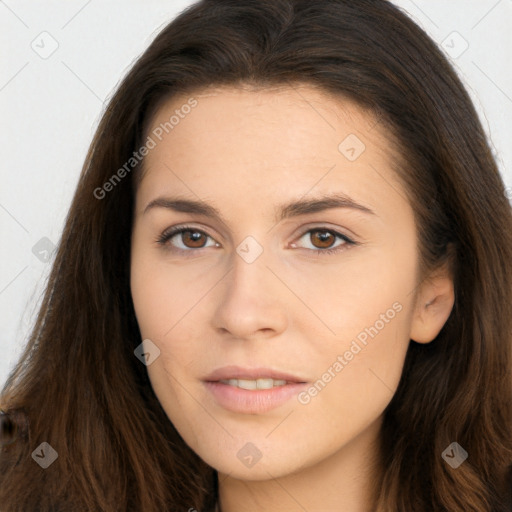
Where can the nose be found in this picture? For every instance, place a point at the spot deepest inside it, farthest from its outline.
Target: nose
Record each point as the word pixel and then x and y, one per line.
pixel 252 301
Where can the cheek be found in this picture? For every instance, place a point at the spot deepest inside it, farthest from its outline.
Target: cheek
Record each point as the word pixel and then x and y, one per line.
pixel 357 370
pixel 157 304
pixel 147 301
pixel 161 316
pixel 365 296
pixel 372 368
pixel 354 384
pixel 163 293
pixel 364 367
pixel 172 374
pixel 174 396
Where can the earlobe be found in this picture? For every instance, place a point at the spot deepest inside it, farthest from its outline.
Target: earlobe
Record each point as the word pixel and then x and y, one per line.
pixel 434 305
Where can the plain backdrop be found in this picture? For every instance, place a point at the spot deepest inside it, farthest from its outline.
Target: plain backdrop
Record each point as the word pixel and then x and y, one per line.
pixel 62 60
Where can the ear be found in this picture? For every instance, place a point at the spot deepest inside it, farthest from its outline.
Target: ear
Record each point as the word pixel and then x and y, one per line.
pixel 434 303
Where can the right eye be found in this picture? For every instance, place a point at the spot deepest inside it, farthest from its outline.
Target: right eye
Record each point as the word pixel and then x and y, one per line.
pixel 190 237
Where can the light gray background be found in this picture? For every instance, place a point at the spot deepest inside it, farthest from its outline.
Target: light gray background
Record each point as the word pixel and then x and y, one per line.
pixel 51 105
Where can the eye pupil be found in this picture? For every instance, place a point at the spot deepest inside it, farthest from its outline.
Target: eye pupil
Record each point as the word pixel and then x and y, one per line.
pixel 193 236
pixel 323 237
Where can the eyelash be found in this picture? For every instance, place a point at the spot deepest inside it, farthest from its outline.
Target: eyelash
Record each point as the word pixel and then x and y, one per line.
pixel 168 234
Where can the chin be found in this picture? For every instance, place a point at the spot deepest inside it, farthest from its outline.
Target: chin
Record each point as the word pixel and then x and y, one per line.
pixel 259 459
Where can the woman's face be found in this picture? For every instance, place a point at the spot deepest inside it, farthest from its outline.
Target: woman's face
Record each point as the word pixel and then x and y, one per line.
pixel 250 295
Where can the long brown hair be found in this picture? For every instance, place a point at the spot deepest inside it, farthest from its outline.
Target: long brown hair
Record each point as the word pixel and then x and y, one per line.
pixel 81 389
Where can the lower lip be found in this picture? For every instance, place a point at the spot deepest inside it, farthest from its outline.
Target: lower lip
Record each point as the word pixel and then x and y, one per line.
pixel 256 401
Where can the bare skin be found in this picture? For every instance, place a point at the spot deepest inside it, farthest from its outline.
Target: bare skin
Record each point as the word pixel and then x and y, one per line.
pixel 293 308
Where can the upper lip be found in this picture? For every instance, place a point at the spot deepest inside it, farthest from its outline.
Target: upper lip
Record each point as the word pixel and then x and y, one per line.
pixel 237 372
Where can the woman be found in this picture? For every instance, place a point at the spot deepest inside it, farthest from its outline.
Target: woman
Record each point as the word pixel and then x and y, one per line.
pixel 283 283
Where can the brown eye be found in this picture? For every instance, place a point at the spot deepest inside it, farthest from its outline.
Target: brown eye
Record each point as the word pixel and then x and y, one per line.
pixel 196 239
pixel 323 238
pixel 184 238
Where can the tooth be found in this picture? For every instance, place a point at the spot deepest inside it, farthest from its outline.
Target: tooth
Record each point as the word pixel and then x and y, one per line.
pixel 246 384
pixel 265 383
pixel 250 384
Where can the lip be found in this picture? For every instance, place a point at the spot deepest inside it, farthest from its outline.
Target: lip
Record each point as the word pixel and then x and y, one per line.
pixel 237 372
pixel 252 402
pixel 258 401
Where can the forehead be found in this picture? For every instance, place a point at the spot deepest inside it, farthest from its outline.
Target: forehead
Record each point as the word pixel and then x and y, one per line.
pixel 294 140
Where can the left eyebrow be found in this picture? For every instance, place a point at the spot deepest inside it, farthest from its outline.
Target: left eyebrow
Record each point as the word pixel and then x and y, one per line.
pixel 319 204
pixel 284 211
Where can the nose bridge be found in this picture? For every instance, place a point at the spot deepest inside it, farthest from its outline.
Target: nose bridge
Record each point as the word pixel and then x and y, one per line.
pixel 249 300
pixel 249 275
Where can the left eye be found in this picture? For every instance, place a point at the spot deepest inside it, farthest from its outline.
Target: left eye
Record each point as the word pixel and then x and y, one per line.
pixel 192 238
pixel 325 238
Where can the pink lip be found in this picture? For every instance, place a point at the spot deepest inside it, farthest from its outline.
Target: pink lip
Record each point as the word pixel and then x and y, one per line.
pixel 251 401
pixel 237 372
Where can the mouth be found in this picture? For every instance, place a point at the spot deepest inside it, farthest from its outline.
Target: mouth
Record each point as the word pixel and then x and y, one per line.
pixel 233 375
pixel 250 384
pixel 252 391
